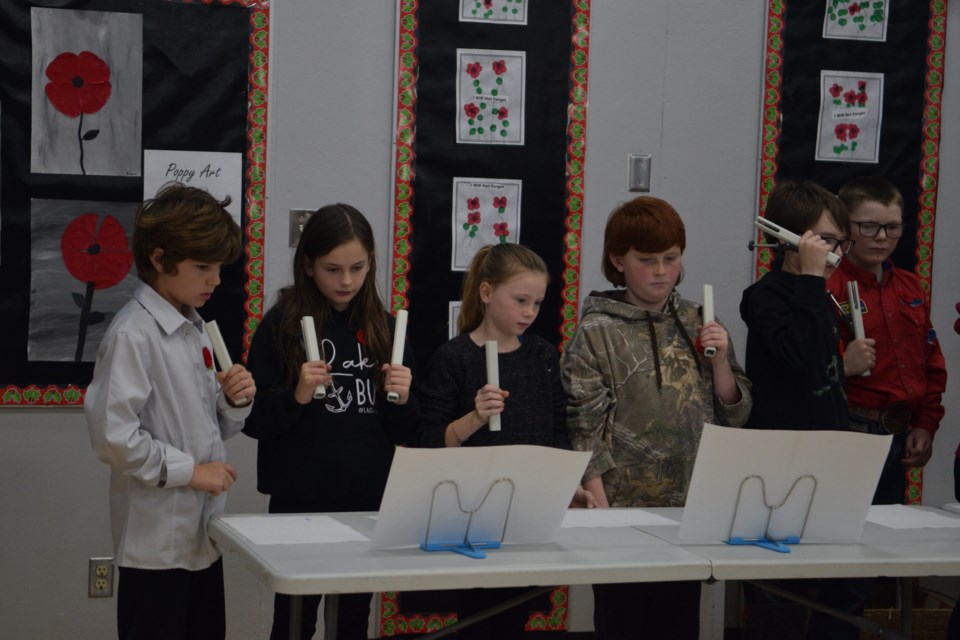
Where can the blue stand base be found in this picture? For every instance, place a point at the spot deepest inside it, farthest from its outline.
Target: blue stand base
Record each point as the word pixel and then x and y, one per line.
pixel 469 549
pixel 780 546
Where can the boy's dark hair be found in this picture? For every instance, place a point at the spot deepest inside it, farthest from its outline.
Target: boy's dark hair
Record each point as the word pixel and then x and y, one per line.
pixel 645 224
pixel 328 228
pixel 494 264
pixel 870 189
pixel 798 207
pixel 187 223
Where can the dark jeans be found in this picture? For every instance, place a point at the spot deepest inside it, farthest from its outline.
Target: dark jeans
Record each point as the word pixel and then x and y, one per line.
pixel 647 610
pixel 504 625
pixel 352 616
pixel 892 486
pixel 770 617
pixel 353 611
pixel 171 604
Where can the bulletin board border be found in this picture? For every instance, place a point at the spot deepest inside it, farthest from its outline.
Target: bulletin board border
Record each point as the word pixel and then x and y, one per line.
pixel 403 193
pixel 929 175
pixel 256 155
pixel 391 620
pixel 930 147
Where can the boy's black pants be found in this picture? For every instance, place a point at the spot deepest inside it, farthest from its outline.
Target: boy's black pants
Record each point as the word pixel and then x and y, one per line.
pixel 171 604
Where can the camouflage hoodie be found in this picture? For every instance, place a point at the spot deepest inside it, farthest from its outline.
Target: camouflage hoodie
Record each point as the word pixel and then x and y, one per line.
pixel 638 395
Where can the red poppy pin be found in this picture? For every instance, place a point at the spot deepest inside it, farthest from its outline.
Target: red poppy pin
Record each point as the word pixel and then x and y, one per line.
pixel 207 358
pixel 361 338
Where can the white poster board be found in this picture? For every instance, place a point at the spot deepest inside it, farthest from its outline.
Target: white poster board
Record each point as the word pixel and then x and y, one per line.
pixel 845 465
pixel 544 481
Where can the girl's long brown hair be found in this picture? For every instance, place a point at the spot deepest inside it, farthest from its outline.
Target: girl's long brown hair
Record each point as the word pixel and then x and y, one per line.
pixel 328 228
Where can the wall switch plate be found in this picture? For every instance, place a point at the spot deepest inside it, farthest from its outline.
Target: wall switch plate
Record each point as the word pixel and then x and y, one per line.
pixel 100 578
pixel 298 218
pixel 638 171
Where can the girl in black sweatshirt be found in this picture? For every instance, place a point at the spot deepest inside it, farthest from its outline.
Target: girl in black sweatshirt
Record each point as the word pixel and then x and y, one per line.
pixel 330 454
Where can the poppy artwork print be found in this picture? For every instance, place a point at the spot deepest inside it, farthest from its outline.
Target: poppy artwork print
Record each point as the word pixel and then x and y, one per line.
pixel 856 19
pixel 511 12
pixel 485 211
pixel 81 273
pixel 490 96
pixel 86 98
pixel 851 112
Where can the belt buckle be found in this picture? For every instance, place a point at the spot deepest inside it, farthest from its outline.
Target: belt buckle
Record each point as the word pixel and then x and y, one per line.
pixel 895 419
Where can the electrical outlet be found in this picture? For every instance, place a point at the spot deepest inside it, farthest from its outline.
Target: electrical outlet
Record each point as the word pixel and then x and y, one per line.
pixel 298 218
pixel 100 578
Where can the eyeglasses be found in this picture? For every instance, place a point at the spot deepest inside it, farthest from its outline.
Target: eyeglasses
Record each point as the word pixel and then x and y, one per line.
pixel 845 244
pixel 871 229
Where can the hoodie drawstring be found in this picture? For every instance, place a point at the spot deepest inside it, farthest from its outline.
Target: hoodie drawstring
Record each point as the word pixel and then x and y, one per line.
pixel 656 349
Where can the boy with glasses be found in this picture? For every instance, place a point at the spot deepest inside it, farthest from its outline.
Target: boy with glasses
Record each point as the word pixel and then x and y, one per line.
pixel 902 393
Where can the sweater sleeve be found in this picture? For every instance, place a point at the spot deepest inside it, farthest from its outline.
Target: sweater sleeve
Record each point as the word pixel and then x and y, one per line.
pixel 402 421
pixel 274 408
pixel 561 438
pixel 440 396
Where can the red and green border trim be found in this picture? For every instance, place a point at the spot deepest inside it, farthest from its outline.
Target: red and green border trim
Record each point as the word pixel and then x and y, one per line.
pixel 929 162
pixel 256 155
pixel 392 622
pixel 407 39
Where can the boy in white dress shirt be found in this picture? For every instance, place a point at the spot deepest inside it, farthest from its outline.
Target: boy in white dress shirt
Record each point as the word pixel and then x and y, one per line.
pixel 158 412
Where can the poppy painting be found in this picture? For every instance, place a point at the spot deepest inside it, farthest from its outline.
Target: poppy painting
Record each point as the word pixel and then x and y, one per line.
pixel 513 12
pixel 851 114
pixel 86 98
pixel 485 211
pixel 856 19
pixel 81 274
pixel 491 88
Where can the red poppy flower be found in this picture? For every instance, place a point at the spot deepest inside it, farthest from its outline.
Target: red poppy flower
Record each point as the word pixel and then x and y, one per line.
pixel 474 69
pixel 488 4
pixel 836 90
pixel 473 203
pixel 473 217
pixel 862 98
pixel 853 131
pixel 78 83
pixel 499 67
pixel 499 203
pixel 862 85
pixel 502 113
pixel 850 96
pixel 207 358
pixel 96 251
pixel 361 337
pixel 501 229
pixel 840 131
pixel 471 110
pixel 854 8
